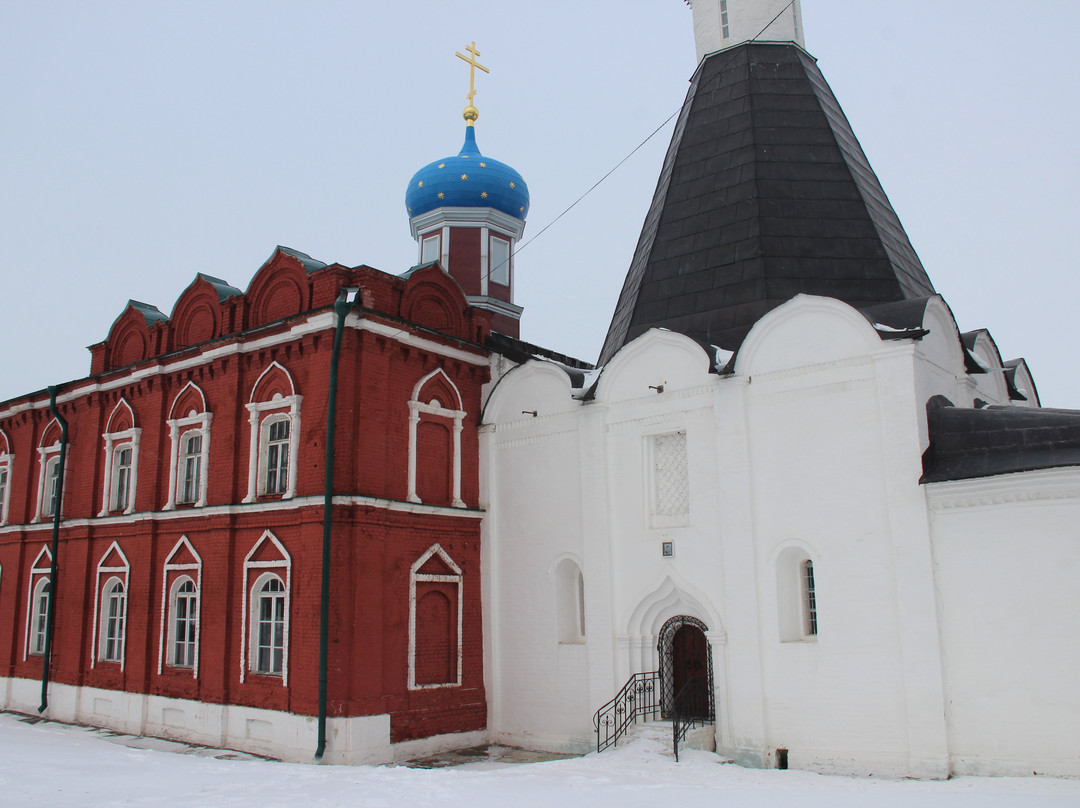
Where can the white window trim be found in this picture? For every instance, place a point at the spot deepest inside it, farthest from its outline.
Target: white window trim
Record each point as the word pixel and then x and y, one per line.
pixel 416 577
pixel 416 410
pixel 114 443
pixel 37 571
pixel 45 454
pixel 7 462
pixel 96 654
pixel 165 634
pixel 179 430
pixel 259 415
pixel 246 635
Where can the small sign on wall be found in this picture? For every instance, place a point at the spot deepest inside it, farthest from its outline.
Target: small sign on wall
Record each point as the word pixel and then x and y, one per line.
pixel 667 549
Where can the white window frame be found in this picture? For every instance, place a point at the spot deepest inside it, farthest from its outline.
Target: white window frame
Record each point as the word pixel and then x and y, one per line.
pixel 47 455
pixel 40 570
pixel 115 443
pixel 112 625
pixel 248 635
pixel 7 461
pixel 435 238
pixel 179 430
pixel 417 577
pixel 496 273
pixel 121 572
pixel 260 415
pixel 178 570
pixel 434 408
pixel 260 593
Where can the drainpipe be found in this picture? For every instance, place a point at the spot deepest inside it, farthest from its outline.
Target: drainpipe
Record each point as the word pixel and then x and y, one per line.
pixel 342 306
pixel 50 612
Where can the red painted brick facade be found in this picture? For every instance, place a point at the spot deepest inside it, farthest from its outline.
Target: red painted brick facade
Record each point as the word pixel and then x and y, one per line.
pixel 209 359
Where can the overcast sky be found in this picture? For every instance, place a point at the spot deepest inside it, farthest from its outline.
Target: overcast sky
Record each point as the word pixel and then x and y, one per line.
pixel 143 142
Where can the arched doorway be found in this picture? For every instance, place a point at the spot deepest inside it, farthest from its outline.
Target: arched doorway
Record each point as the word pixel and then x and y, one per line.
pixel 686 669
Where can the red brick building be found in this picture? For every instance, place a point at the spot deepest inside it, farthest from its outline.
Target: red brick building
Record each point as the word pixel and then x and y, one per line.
pixel 187 587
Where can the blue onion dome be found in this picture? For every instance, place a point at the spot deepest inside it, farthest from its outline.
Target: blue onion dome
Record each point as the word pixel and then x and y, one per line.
pixel 468 180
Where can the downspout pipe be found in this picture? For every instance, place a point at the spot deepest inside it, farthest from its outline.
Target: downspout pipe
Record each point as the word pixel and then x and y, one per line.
pixel 342 306
pixel 54 567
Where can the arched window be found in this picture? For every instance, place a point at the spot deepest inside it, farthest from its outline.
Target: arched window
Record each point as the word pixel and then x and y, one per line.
pixel 569 602
pixel 184 611
pixel 265 633
pixel 274 418
pixel 181 585
pixel 110 608
pixel 38 616
pixel 51 500
pixel 189 436
pixel 190 467
pixel 268 618
pixel 113 612
pixel 796 594
pixel 809 598
pixel 121 460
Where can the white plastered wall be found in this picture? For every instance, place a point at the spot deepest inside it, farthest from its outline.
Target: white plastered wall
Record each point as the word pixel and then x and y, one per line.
pixel 1007 566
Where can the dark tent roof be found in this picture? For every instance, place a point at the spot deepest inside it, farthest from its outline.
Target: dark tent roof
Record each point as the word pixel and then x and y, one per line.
pixel 967 443
pixel 765 193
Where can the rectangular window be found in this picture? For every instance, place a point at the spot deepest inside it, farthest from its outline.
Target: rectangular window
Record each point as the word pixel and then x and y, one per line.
pixel 277 458
pixel 191 468
pixel 429 249
pixel 724 19
pixel 500 261
pixel 3 493
pixel 671 482
pixel 122 486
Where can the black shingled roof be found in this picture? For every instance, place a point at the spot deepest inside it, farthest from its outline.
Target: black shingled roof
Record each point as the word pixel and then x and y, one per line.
pixel 966 443
pixel 765 193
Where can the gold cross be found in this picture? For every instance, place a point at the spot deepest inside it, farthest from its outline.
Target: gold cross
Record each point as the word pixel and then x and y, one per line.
pixel 471 113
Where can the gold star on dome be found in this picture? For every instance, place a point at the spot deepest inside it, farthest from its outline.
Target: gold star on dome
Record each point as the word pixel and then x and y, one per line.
pixel 483 165
pixel 511 185
pixel 522 208
pixel 442 195
pixel 442 165
pixel 464 176
pixel 420 184
pixel 483 194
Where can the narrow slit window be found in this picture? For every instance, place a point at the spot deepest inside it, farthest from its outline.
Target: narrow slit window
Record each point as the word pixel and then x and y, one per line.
pixel 809 599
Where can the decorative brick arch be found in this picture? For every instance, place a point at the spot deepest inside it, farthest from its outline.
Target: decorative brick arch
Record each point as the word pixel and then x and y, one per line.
pixel 435 398
pixel 196 315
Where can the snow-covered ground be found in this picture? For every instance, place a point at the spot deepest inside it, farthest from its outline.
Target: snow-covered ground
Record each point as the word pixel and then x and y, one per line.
pixel 49 764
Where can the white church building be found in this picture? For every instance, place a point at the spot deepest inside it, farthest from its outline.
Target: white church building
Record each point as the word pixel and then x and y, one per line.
pixel 791 477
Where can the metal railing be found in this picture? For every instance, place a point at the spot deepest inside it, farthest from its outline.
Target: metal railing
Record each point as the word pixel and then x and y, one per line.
pixel 691 707
pixel 639 698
